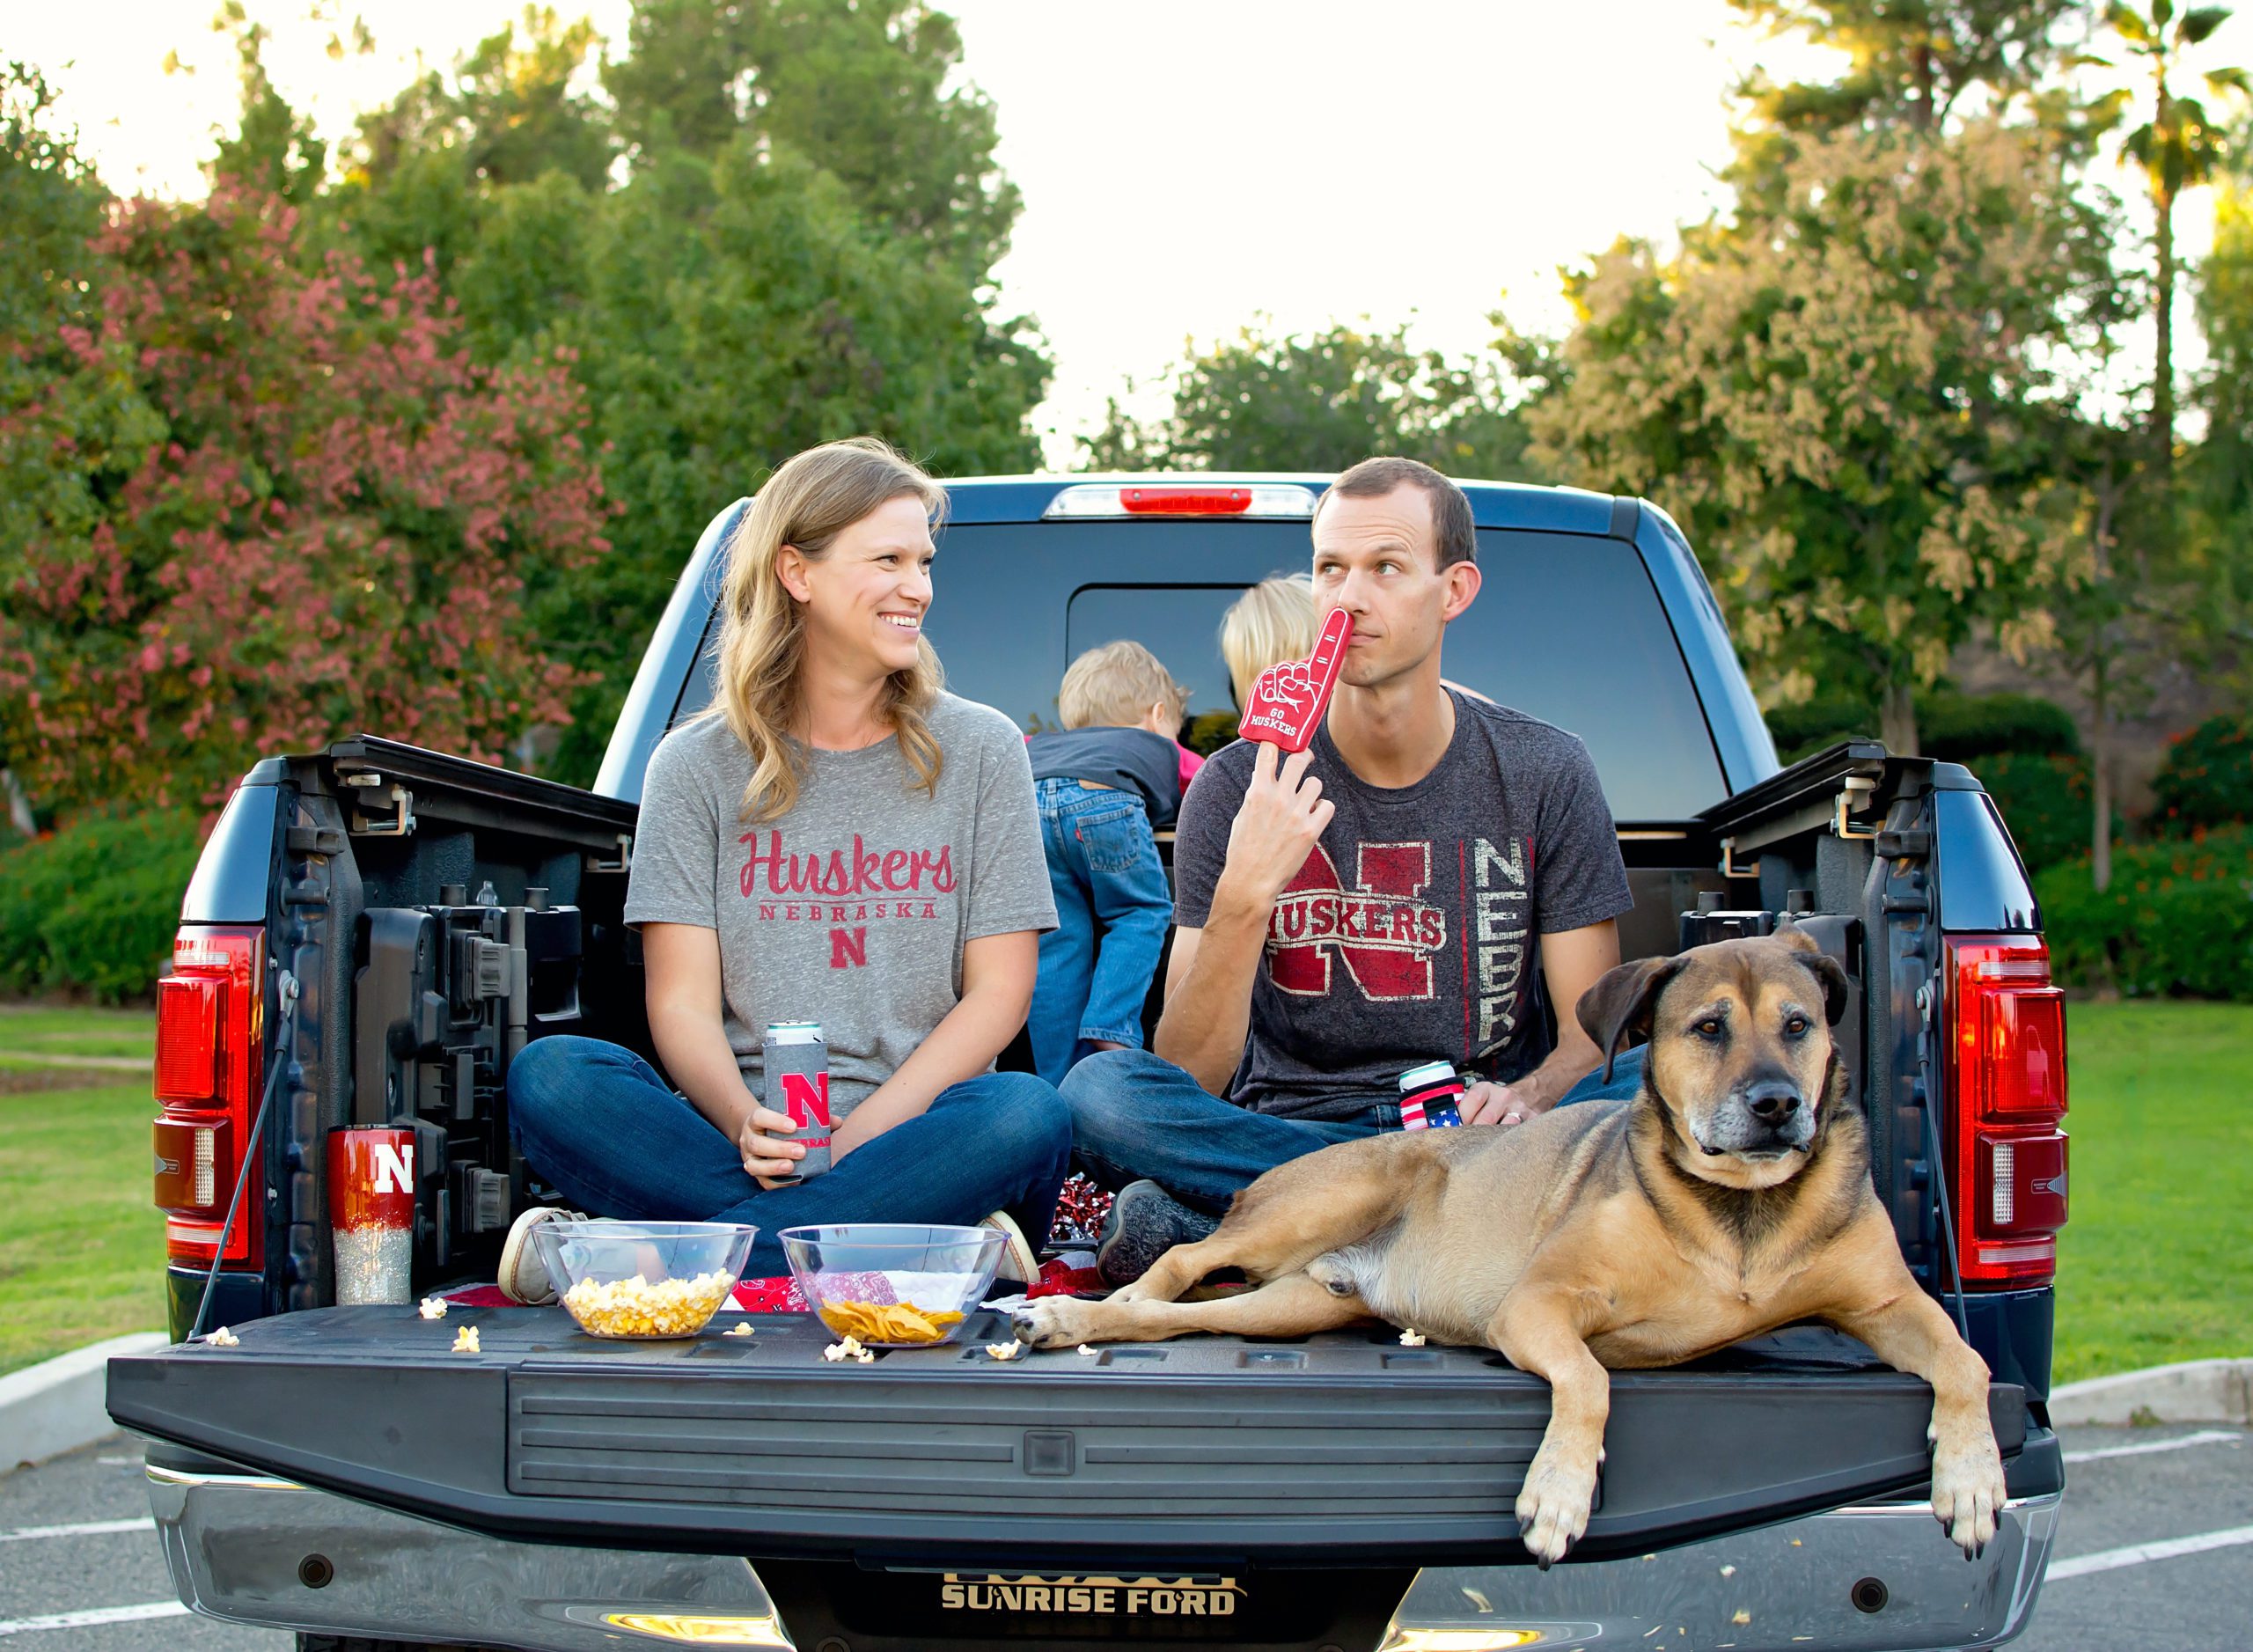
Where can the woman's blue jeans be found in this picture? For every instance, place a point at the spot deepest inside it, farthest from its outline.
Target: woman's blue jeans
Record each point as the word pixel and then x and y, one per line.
pixel 1112 907
pixel 597 1124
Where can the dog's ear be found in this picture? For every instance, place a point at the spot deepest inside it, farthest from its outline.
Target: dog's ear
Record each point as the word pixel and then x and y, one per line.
pixel 1827 970
pixel 1621 1003
pixel 1832 974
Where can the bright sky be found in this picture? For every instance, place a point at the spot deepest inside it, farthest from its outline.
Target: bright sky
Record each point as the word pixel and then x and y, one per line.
pixel 1185 164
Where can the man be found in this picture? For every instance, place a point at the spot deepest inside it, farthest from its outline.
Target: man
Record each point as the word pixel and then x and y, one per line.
pixel 1362 907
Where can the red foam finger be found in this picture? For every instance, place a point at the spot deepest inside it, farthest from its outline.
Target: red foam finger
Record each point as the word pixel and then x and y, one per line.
pixel 1288 700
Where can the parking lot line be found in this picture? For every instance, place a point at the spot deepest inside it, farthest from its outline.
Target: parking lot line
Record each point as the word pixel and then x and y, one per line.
pixel 2205 1436
pixel 2136 1553
pixel 98 1616
pixel 82 1529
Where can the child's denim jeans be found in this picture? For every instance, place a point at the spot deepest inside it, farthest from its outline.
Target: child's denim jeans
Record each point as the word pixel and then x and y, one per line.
pixel 1104 866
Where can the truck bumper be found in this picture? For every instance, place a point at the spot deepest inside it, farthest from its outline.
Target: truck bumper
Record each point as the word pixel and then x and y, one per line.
pixel 258 1550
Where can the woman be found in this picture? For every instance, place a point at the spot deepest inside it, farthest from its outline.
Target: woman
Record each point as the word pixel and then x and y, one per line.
pixel 836 840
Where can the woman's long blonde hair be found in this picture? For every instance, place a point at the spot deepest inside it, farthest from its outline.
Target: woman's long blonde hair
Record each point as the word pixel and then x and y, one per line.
pixel 1270 623
pixel 806 503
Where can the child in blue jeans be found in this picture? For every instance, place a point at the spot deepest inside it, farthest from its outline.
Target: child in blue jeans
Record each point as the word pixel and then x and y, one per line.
pixel 1105 784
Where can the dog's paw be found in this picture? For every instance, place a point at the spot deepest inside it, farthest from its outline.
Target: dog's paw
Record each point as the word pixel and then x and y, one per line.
pixel 1553 1508
pixel 1969 1493
pixel 1052 1322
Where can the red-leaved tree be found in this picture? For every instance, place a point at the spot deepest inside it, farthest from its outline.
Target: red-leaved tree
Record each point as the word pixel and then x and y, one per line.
pixel 319 517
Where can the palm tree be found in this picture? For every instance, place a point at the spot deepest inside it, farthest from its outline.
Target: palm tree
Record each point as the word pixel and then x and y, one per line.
pixel 2178 148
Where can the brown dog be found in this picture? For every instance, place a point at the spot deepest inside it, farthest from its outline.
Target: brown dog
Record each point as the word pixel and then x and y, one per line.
pixel 1731 1197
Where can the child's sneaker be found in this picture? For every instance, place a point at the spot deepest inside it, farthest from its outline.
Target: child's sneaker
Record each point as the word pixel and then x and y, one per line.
pixel 1145 1222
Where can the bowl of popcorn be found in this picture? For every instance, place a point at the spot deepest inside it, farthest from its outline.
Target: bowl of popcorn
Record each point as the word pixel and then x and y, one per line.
pixel 893 1285
pixel 648 1280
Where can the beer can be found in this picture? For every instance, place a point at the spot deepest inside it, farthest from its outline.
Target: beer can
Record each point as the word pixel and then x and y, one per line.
pixel 371 1213
pixel 795 1065
pixel 1431 1097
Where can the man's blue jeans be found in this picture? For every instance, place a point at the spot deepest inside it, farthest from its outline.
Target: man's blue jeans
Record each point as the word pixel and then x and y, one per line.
pixel 1135 1115
pixel 1104 871
pixel 598 1123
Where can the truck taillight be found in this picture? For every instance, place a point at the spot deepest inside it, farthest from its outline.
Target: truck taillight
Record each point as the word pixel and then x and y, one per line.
pixel 2007 1073
pixel 211 1032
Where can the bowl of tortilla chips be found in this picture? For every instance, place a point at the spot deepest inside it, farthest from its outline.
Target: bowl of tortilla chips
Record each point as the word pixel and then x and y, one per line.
pixel 893 1285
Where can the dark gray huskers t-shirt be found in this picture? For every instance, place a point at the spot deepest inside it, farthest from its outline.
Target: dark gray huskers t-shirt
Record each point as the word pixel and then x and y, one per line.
pixel 1409 934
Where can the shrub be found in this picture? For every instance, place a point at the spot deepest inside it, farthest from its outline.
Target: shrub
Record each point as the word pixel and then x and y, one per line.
pixel 1959 728
pixel 1803 729
pixel 2207 777
pixel 93 907
pixel 2177 920
pixel 2044 802
pixel 1209 730
pixel 1953 727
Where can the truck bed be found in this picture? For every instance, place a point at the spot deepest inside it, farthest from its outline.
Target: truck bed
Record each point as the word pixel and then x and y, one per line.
pixel 1342 1444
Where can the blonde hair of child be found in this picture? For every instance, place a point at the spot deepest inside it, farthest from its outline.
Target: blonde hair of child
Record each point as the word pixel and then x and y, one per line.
pixel 812 498
pixel 1115 686
pixel 1272 622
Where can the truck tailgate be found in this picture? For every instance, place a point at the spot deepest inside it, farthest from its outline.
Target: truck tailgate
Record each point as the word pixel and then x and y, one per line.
pixel 1340 1445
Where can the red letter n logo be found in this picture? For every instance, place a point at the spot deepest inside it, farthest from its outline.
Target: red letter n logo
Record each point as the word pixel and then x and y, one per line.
pixel 847 948
pixel 805 1097
pixel 1381 928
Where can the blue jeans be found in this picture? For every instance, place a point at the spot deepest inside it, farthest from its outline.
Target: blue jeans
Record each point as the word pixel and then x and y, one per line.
pixel 1625 1082
pixel 1136 1116
pixel 1103 869
pixel 596 1122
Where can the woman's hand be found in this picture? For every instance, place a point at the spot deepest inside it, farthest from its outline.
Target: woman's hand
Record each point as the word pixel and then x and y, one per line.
pixel 767 1152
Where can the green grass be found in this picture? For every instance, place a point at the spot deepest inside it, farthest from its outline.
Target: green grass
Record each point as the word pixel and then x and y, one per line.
pixel 2156 1264
pixel 82 1250
pixel 43 1029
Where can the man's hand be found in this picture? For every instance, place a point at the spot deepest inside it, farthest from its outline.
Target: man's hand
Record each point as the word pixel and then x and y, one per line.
pixel 1489 1102
pixel 1282 817
pixel 767 1152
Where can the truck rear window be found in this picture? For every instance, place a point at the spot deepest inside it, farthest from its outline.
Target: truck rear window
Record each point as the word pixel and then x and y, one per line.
pixel 1566 627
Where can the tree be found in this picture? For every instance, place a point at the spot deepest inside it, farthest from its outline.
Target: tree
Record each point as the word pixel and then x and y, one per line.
pixel 1911 63
pixel 801 247
pixel 69 435
pixel 2178 147
pixel 305 512
pixel 866 92
pixel 1854 391
pixel 508 109
pixel 2219 478
pixel 1322 401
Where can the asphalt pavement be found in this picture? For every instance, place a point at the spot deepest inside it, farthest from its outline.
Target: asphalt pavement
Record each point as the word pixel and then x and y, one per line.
pixel 2156 1549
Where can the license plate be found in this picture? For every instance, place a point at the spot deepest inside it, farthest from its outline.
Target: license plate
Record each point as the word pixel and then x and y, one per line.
pixel 1091 1597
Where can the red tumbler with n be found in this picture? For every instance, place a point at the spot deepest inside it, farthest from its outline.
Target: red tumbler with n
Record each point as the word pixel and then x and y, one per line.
pixel 371 1213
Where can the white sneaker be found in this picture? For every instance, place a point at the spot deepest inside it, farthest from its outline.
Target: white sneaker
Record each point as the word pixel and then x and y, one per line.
pixel 1019 1261
pixel 523 1275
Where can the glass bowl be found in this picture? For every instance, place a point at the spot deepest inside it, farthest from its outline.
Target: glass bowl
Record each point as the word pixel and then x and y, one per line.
pixel 893 1285
pixel 647 1280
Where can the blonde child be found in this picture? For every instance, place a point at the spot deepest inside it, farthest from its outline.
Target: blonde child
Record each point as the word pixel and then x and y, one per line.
pixel 1104 785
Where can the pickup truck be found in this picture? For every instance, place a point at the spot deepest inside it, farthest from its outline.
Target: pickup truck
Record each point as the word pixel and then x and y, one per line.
pixel 375 930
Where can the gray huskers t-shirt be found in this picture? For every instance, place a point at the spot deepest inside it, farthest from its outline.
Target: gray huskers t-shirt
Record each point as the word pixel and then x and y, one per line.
pixel 853 908
pixel 1412 932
